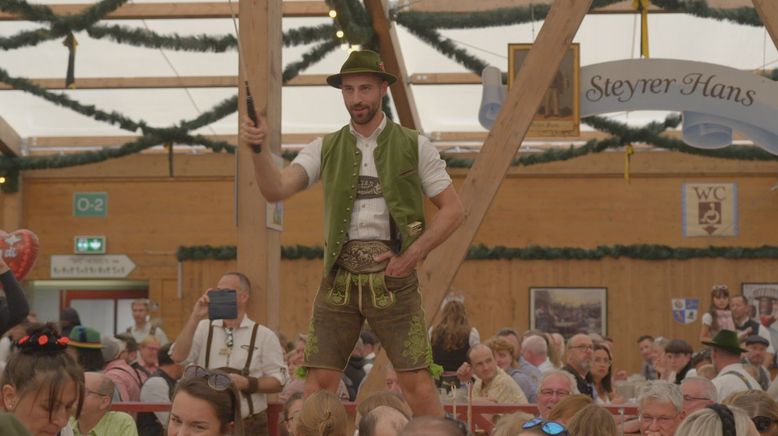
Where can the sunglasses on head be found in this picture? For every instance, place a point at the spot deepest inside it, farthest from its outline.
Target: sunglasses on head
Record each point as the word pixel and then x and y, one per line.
pixel 551 428
pixel 762 423
pixel 216 380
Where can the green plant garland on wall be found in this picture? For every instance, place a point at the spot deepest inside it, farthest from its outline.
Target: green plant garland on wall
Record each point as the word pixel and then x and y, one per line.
pixel 533 252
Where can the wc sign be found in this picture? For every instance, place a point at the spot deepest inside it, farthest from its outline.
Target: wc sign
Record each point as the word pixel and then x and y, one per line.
pixel 709 209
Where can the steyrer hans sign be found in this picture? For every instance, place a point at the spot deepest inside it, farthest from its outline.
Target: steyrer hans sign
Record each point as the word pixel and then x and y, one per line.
pixel 714 99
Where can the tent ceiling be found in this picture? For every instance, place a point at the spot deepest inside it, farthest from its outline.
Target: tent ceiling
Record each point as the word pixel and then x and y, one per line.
pixel 314 109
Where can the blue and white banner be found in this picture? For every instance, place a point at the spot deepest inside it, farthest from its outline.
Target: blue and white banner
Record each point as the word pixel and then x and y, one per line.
pixel 685 309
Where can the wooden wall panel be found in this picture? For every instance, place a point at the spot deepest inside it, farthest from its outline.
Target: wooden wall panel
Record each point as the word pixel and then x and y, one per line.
pixel 580 203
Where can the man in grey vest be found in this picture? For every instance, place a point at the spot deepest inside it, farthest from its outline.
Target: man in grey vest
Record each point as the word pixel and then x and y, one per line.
pixel 375 174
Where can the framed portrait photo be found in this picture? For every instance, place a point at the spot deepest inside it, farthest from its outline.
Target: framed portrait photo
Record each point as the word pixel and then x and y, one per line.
pixel 559 111
pixel 568 311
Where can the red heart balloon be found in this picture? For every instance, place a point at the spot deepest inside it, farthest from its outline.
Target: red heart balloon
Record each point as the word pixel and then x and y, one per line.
pixel 20 251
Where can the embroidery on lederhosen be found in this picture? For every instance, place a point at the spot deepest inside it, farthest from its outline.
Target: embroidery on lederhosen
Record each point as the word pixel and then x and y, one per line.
pixel 369 187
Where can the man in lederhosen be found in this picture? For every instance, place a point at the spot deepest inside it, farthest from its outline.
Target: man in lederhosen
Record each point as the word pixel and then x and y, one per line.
pixel 375 175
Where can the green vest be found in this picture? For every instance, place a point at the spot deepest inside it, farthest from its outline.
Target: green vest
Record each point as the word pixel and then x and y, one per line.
pixel 397 161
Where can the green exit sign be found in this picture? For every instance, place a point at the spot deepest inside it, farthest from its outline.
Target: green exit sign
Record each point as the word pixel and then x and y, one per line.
pixel 90 204
pixel 89 245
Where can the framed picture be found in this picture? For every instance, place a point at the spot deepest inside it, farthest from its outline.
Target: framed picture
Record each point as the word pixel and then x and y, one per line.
pixel 559 111
pixel 763 299
pixel 568 311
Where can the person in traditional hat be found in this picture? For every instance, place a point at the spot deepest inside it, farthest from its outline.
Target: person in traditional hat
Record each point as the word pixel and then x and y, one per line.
pixel 375 175
pixel 732 376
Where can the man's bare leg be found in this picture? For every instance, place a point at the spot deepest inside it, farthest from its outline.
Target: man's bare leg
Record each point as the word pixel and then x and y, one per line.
pixel 420 392
pixel 319 379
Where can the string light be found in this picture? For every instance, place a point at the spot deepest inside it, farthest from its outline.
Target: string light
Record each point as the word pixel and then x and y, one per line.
pixel 339 34
pixel 333 13
pixel 2 180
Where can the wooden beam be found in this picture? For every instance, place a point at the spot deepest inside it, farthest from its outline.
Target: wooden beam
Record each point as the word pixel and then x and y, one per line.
pixel 163 82
pixel 768 12
pixel 167 11
pixel 259 248
pixel 623 7
pixel 10 141
pixel 493 162
pixel 391 54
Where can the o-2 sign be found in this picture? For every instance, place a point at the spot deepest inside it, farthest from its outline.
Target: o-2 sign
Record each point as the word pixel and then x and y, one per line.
pixel 90 204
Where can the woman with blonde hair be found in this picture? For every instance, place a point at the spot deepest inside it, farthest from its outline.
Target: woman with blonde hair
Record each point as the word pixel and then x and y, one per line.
pixel 762 409
pixel 568 407
pixel 592 420
pixel 717 420
pixel 510 425
pixel 323 415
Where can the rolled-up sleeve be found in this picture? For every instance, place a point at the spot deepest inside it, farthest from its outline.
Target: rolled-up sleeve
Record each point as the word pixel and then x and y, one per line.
pixel 310 159
pixel 269 361
pixel 432 169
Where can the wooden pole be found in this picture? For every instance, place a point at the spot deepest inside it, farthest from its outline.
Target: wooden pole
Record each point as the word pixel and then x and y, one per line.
pixel 391 54
pixel 492 163
pixel 259 250
pixel 768 12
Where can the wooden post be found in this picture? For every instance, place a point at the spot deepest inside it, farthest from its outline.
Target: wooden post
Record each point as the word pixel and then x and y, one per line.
pixel 389 48
pixel 504 140
pixel 493 161
pixel 10 141
pixel 768 12
pixel 259 251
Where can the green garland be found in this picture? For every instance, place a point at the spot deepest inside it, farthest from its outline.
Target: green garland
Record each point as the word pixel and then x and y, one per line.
pixel 700 8
pixel 532 252
pixel 521 15
pixel 314 55
pixel 201 43
pixel 352 18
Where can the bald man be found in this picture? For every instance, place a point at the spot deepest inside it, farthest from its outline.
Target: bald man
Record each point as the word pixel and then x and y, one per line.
pixel 96 418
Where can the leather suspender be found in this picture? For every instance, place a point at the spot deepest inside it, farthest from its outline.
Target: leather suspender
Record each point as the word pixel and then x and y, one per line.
pixel 248 365
pixel 246 368
pixel 208 346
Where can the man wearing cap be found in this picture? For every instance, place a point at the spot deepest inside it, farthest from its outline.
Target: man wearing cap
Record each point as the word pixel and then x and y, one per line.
pixel 726 359
pixel 375 174
pixel 757 356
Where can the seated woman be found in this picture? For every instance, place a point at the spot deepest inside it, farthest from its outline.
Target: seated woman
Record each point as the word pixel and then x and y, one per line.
pixel 205 403
pixel 716 420
pixel 602 373
pixel 42 385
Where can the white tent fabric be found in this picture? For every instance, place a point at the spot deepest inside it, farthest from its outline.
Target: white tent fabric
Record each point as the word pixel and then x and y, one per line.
pixel 442 108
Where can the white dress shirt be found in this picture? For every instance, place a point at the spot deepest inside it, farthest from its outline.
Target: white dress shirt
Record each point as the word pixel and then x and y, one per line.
pixel 370 217
pixel 267 360
pixel 727 384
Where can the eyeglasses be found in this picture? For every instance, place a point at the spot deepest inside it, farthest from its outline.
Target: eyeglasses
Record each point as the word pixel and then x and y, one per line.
pixel 551 392
pixel 762 423
pixel 605 361
pixel 690 398
pixel 662 421
pixel 216 380
pixel 582 347
pixel 551 428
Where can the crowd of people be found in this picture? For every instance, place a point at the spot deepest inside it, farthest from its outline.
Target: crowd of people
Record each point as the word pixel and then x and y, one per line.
pixel 57 384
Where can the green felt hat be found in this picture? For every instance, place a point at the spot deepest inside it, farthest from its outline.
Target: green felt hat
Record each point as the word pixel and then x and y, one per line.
pixel 726 339
pixel 85 337
pixel 360 62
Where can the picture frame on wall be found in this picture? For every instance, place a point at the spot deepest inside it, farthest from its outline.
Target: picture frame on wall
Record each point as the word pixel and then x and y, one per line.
pixel 559 113
pixel 763 301
pixel 569 310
